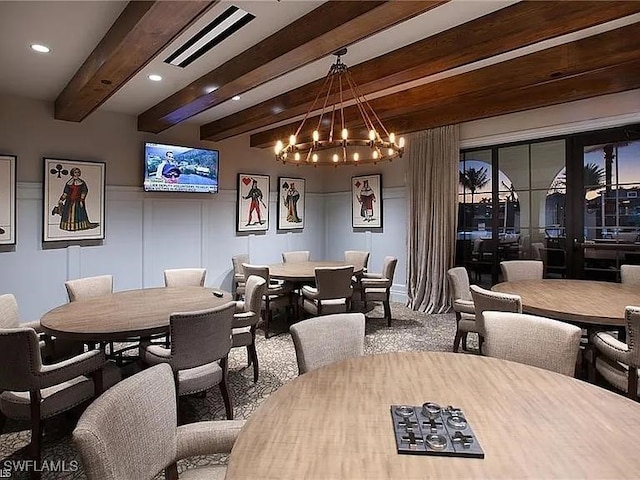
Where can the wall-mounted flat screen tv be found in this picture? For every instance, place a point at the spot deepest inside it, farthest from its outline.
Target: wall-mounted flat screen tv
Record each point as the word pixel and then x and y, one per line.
pixel 172 168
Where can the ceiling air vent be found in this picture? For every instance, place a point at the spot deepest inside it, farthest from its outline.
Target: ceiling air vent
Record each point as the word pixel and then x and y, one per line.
pixel 225 25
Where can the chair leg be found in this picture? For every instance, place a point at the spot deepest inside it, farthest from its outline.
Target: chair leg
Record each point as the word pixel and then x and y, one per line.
pixel 171 472
pixel 632 383
pixel 224 389
pixel 465 344
pixel 253 355
pixel 3 421
pixel 456 340
pixel 267 315
pixel 480 342
pixel 36 432
pixel 387 311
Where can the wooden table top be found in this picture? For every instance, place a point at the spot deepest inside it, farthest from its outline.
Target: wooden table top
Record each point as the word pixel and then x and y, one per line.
pixel 577 301
pixel 335 422
pixel 302 271
pixel 127 314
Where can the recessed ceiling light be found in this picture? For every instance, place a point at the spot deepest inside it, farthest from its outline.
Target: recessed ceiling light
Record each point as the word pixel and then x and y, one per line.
pixel 237 97
pixel 154 77
pixel 40 48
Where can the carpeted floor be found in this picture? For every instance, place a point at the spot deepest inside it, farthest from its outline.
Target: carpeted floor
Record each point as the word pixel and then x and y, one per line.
pixel 410 331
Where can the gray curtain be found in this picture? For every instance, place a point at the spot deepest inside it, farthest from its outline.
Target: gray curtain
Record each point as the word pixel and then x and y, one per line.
pixel 432 192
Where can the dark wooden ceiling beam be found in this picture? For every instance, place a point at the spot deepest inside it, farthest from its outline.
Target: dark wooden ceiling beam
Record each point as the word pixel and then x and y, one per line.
pixel 591 54
pixel 507 29
pixel 141 31
pixel 329 27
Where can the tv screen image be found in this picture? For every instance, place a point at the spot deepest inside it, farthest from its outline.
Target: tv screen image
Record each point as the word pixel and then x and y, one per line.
pixel 173 168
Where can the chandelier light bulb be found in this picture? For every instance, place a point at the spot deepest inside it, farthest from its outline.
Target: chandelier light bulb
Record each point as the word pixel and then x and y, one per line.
pixel 390 151
pixel 279 146
pixel 392 137
pixel 356 157
pixel 315 158
pixel 345 134
pixel 335 157
pixel 292 140
pixel 375 154
pixel 316 135
pixel 401 142
pixel 297 156
pixel 372 135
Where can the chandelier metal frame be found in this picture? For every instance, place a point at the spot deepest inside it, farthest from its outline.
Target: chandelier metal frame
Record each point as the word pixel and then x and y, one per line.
pixel 331 132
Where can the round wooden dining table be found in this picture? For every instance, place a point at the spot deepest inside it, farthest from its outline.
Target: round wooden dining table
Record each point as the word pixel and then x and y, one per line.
pixel 127 314
pixel 302 271
pixel 584 302
pixel 335 422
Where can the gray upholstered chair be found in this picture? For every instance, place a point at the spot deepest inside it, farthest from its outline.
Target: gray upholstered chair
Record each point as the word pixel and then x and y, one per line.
pixel 486 300
pixel 332 292
pixel 515 270
pixel 32 391
pixel 376 287
pixel 89 287
pixel 246 318
pixel 130 432
pixel 299 256
pixel 630 274
pixel 185 277
pixel 360 261
pixel 238 274
pixel 200 344
pixel 463 306
pixel 618 362
pixel 537 341
pixel 277 296
pixel 328 339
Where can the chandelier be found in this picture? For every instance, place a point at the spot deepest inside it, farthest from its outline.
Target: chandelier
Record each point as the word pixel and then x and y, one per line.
pixel 331 142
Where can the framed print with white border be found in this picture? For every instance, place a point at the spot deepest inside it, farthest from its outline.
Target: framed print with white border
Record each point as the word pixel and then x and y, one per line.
pixel 366 201
pixel 291 193
pixel 8 199
pixel 253 203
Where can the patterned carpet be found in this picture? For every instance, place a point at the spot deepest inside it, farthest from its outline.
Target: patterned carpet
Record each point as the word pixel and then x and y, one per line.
pixel 410 331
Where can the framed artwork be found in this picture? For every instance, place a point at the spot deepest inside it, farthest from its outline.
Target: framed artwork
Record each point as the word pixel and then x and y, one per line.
pixel 366 201
pixel 290 203
pixel 73 200
pixel 7 200
pixel 253 203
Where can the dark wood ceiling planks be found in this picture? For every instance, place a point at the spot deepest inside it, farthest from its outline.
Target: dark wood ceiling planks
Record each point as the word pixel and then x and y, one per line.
pixel 141 31
pixel 319 33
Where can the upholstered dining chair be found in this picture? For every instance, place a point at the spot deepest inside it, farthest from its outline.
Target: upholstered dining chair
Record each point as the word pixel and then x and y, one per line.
pixel 185 277
pixel 630 274
pixel 332 292
pixel 532 340
pixel 277 296
pixel 238 274
pixel 619 362
pixel 35 392
pixel 515 270
pixel 130 432
pixel 376 287
pixel 328 339
pixel 299 256
pixel 246 318
pixel 89 287
pixel 200 344
pixel 486 300
pixel 360 261
pixel 463 306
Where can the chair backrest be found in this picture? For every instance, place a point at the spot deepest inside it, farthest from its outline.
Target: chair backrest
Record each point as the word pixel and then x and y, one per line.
pixel 8 311
pixel 514 270
pixel 261 271
pixel 358 258
pixel 334 282
pixel 632 318
pixel 185 277
pixel 537 341
pixel 458 278
pixel 327 339
pixel 20 359
pixel 88 287
pixel 389 268
pixel 485 300
pixel 255 290
pixel 237 261
pixel 630 274
pixel 299 256
pixel 130 430
pixel 200 337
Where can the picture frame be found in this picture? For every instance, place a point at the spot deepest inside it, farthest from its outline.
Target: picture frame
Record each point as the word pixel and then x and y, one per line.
pixel 73 200
pixel 291 203
pixel 366 201
pixel 8 185
pixel 252 214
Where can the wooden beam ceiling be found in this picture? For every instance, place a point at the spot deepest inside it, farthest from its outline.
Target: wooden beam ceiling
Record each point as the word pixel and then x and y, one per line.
pixel 141 31
pixel 329 27
pixel 592 66
pixel 507 29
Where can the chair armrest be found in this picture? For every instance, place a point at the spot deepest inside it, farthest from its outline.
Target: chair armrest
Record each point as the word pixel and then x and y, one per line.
pixel 611 347
pixel 464 306
pixel 155 354
pixel 371 275
pixel 66 370
pixel 309 292
pixel 375 283
pixel 35 324
pixel 204 438
pixel 244 319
